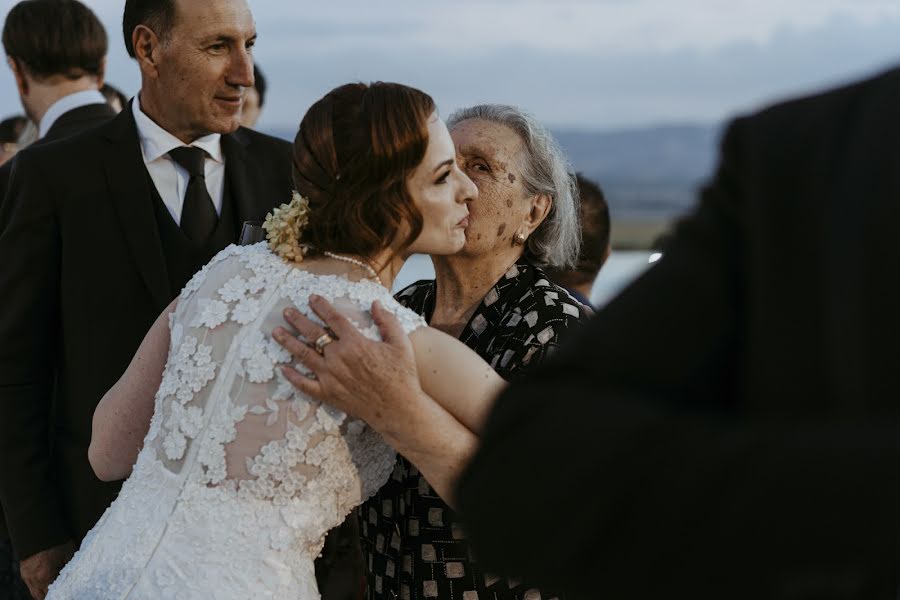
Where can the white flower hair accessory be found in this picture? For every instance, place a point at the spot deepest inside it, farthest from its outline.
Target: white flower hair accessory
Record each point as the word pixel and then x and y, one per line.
pixel 284 228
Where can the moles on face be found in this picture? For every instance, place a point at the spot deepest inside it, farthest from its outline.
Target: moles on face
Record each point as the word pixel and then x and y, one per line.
pixel 442 193
pixel 206 65
pixel 489 154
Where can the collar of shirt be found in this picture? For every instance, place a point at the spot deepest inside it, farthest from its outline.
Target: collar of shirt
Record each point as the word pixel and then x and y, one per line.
pixel 156 142
pixel 67 103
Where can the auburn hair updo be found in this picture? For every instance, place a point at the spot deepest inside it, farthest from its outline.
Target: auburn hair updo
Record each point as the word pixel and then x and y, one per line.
pixel 354 151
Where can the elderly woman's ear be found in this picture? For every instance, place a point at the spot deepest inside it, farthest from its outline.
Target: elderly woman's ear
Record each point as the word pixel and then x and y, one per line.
pixel 540 208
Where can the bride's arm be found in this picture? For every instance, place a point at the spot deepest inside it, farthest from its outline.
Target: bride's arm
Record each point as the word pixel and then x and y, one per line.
pixel 122 417
pixel 455 377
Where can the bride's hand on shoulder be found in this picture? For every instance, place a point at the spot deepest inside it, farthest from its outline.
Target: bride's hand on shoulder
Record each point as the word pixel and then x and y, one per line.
pixel 371 380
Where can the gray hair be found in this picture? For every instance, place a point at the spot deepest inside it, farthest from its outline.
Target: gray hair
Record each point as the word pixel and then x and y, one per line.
pixel 545 170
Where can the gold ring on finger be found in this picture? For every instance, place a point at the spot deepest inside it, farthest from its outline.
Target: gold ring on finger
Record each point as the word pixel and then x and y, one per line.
pixel 322 341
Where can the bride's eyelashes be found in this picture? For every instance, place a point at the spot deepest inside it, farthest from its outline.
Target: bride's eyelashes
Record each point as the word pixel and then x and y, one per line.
pixel 443 178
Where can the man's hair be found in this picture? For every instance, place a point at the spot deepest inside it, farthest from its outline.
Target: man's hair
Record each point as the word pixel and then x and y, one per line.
pixel 158 15
pixel 595 234
pixel 260 83
pixel 55 37
pixel 11 129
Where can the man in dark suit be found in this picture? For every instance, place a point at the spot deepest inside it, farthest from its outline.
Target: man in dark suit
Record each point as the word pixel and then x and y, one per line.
pixel 103 230
pixel 57 53
pixel 728 426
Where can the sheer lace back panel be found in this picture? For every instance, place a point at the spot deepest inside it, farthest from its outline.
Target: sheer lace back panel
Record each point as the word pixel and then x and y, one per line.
pixel 240 476
pixel 225 415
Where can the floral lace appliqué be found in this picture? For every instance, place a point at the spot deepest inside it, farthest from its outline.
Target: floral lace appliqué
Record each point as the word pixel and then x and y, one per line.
pixel 241 475
pixel 188 371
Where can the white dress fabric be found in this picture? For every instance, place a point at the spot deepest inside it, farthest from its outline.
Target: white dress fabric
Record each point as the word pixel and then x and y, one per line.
pixel 241 475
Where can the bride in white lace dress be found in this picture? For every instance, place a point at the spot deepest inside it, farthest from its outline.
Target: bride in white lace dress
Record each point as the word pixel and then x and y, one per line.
pixel 239 475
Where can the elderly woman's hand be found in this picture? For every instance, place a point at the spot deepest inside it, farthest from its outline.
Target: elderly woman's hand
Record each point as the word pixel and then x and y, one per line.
pixel 368 379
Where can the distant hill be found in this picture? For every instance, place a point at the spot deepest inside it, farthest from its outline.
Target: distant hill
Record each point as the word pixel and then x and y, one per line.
pixel 649 174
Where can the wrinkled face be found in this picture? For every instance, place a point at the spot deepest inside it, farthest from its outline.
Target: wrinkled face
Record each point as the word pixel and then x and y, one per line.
pixel 206 65
pixel 441 192
pixel 489 154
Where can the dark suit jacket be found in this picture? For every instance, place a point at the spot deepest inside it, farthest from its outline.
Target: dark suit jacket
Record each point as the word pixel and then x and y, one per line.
pixel 68 124
pixel 86 280
pixel 728 426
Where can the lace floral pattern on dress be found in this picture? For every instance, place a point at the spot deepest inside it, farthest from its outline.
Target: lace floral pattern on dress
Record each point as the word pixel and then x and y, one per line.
pixel 241 475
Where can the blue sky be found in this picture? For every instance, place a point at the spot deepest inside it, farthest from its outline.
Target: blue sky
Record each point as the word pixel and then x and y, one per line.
pixel 594 64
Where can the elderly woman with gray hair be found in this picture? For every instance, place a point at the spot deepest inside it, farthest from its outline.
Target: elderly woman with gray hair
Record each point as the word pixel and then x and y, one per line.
pixel 494 296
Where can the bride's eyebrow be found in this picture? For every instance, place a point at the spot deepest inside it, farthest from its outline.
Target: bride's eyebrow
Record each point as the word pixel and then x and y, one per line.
pixel 446 163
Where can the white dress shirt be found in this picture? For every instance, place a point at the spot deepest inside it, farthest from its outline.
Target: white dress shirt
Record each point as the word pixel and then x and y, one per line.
pixel 65 104
pixel 170 178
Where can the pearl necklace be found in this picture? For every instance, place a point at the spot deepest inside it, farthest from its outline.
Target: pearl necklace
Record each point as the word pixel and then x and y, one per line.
pixel 358 263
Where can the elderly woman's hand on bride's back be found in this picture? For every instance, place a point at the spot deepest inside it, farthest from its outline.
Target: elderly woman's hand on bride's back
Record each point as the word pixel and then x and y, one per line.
pixel 362 377
pixel 379 383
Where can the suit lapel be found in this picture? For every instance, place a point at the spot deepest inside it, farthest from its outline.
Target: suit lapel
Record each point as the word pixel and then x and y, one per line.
pixel 239 171
pixel 244 175
pixel 129 190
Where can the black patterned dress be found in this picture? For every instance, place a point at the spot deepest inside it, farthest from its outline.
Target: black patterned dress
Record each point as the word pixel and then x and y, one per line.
pixel 413 543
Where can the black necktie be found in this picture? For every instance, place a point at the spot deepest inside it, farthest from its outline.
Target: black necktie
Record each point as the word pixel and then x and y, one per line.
pixel 198 213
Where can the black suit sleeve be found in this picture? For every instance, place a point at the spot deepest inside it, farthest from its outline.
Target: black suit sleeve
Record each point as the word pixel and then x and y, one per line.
pixel 622 468
pixel 29 317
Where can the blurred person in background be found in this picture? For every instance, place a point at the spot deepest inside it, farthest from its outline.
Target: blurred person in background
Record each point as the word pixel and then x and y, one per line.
pixel 254 99
pixel 57 54
pixel 29 135
pixel 114 97
pixel 595 243
pixel 10 131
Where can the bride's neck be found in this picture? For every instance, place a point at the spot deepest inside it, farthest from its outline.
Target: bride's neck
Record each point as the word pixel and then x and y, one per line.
pixel 386 264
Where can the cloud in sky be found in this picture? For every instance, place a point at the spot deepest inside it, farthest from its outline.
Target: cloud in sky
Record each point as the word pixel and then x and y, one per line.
pixel 574 63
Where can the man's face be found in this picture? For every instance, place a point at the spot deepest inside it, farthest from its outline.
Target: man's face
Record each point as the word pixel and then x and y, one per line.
pixel 206 66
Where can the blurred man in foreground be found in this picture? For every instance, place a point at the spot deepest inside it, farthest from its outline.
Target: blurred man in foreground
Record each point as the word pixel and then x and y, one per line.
pixel 729 423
